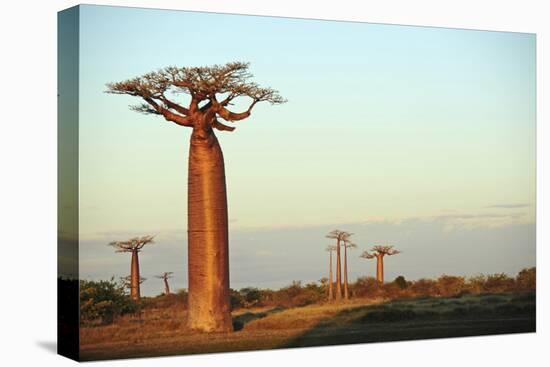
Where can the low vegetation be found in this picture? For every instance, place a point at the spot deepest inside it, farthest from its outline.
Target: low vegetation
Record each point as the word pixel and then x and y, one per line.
pixel 113 326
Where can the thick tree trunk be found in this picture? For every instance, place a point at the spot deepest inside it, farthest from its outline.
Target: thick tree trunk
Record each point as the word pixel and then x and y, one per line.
pixel 380 268
pixel 134 277
pixel 338 272
pixel 346 295
pixel 208 305
pixel 166 286
pixel 330 294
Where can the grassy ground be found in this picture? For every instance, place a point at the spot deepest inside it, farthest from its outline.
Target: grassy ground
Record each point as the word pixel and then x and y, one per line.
pixel 162 331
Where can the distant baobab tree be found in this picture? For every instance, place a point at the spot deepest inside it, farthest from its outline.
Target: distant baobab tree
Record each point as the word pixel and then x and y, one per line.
pixel 133 245
pixel 340 237
pixel 350 245
pixel 165 276
pixel 210 90
pixel 330 249
pixel 378 252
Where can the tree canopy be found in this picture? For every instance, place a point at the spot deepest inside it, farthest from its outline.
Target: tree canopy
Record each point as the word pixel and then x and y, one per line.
pixel 339 235
pixel 133 244
pixel 165 275
pixel 380 250
pixel 211 89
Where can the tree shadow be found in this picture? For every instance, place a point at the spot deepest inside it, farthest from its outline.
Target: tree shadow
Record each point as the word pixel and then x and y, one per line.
pixel 240 321
pixel 412 319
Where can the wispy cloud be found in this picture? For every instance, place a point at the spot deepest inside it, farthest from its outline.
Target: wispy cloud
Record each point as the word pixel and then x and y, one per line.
pixel 509 206
pixel 468 220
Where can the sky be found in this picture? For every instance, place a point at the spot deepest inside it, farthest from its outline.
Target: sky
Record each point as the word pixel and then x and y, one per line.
pixel 419 137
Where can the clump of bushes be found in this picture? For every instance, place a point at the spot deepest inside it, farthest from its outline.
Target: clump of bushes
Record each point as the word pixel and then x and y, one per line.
pixel 445 286
pixel 103 301
pixel 293 295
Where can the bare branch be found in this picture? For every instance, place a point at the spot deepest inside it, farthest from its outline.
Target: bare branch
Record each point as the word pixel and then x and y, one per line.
pixel 219 126
pixel 339 235
pixel 367 255
pixel 330 248
pixel 385 250
pixel 231 80
pixel 127 281
pixel 165 275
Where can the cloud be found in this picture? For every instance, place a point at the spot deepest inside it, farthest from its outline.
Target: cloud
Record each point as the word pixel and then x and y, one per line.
pixel 509 206
pixel 454 220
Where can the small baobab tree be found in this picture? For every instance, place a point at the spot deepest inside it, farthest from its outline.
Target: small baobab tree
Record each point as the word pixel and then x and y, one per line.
pixel 134 246
pixel 209 91
pixel 340 237
pixel 330 250
pixel 378 252
pixel 347 245
pixel 165 276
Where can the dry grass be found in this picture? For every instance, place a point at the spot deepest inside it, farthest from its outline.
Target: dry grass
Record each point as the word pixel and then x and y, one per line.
pixel 162 331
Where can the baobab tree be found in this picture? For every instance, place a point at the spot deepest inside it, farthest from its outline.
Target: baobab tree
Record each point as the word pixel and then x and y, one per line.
pixel 165 276
pixel 330 249
pixel 378 252
pixel 350 245
pixel 340 237
pixel 209 91
pixel 134 246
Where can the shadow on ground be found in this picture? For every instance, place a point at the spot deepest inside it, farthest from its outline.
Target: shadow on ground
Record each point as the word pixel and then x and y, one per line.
pixel 424 318
pixel 240 321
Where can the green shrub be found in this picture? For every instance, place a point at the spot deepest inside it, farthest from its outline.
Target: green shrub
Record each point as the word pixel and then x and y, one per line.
pixel 103 301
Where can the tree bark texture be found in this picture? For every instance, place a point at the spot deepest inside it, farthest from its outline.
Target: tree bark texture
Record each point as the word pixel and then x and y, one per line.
pixel 166 286
pixel 330 293
pixel 338 272
pixel 380 268
pixel 208 254
pixel 134 277
pixel 346 295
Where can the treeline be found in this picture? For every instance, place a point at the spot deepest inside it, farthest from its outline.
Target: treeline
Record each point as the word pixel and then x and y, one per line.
pixel 297 295
pixel 101 302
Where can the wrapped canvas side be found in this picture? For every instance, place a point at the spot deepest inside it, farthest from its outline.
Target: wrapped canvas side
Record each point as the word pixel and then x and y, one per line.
pixel 67 175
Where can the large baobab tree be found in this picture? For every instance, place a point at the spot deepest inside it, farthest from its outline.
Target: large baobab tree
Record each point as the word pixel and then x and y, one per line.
pixel 134 246
pixel 378 252
pixel 340 237
pixel 330 250
pixel 209 91
pixel 347 245
pixel 165 276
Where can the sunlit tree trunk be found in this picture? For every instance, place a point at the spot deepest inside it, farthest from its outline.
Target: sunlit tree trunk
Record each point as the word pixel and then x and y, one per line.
pixel 338 272
pixel 380 268
pixel 134 277
pixel 330 293
pixel 166 286
pixel 208 258
pixel 346 295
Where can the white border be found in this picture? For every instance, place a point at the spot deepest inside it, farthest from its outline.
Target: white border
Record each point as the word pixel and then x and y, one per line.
pixel 28 181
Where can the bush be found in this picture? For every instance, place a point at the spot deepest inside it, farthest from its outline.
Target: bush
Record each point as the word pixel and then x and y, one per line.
pixel 424 287
pixel 499 283
pixel 103 301
pixel 448 285
pixel 178 299
pixel 401 282
pixel 526 279
pixel 367 287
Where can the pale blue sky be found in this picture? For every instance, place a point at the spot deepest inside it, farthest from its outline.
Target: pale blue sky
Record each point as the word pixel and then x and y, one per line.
pixel 388 129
